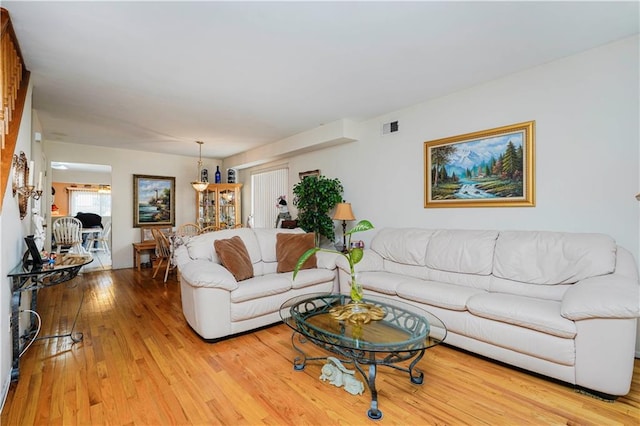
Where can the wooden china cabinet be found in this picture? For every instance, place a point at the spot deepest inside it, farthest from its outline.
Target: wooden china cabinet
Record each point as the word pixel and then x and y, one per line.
pixel 219 206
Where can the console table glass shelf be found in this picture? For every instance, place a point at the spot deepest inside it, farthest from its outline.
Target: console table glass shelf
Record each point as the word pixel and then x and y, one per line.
pixel 31 279
pixel 403 334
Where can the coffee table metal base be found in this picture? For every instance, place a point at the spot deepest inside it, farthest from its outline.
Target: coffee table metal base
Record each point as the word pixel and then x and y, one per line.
pixel 361 358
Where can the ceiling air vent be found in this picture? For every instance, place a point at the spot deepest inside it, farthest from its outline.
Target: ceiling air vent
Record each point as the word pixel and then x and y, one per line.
pixel 390 127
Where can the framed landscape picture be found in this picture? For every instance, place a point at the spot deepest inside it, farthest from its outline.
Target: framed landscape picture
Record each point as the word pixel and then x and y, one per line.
pixel 153 200
pixel 489 168
pixel 303 175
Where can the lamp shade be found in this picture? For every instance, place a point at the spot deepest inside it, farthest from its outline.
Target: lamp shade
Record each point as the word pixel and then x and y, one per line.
pixel 200 186
pixel 343 212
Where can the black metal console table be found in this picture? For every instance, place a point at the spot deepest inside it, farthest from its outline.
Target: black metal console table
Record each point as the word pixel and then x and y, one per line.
pixel 32 279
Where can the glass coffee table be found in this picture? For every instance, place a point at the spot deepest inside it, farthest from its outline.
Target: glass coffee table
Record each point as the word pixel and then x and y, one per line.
pixel 403 334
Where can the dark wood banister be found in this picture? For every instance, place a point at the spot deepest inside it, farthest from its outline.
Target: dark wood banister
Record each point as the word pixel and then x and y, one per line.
pixel 16 81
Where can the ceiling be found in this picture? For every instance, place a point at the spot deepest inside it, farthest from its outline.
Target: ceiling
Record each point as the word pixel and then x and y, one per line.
pixel 156 76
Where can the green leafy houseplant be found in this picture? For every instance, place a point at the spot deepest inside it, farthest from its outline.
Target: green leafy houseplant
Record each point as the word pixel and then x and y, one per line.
pixel 315 196
pixel 353 255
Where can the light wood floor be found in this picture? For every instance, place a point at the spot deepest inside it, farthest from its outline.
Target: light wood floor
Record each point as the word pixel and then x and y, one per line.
pixel 140 364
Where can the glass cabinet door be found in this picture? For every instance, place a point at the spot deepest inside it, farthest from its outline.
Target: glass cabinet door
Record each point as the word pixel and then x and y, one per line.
pixel 219 206
pixel 206 208
pixel 227 208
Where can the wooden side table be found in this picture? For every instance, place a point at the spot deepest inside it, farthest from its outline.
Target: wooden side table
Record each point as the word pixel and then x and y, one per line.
pixel 139 248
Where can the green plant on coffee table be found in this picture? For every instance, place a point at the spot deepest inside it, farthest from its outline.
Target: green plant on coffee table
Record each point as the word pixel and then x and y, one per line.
pixel 353 255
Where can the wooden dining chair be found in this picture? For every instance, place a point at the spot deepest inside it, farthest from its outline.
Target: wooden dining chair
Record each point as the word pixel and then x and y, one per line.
pixel 163 251
pixel 211 228
pixel 188 230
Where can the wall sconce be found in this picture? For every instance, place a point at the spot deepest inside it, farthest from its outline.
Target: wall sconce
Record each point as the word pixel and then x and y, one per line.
pixel 22 183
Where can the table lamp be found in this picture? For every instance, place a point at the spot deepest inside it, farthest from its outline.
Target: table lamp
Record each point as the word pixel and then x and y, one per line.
pixel 344 213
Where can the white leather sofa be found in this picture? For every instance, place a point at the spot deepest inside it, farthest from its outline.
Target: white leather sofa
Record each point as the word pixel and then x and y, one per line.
pixel 563 305
pixel 216 305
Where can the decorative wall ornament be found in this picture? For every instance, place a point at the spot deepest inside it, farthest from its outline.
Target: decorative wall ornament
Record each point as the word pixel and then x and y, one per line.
pixel 22 182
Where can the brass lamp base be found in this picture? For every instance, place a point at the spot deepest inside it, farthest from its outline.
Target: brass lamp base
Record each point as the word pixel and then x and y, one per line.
pixel 357 313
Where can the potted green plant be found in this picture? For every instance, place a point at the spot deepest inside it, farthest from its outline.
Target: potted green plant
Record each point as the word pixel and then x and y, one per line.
pixel 315 196
pixel 353 256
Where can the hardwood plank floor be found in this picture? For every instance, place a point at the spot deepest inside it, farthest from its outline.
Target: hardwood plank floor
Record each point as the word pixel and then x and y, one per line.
pixel 140 364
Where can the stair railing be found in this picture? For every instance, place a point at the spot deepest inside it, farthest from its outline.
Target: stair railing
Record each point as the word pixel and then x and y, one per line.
pixel 14 82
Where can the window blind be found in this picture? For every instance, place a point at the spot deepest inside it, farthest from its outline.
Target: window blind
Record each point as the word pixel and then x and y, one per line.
pixel 89 201
pixel 266 187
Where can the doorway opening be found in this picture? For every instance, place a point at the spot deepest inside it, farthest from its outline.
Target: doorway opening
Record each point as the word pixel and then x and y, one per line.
pixel 83 191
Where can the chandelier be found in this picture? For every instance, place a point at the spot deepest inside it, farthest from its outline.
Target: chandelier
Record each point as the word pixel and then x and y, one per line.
pixel 199 185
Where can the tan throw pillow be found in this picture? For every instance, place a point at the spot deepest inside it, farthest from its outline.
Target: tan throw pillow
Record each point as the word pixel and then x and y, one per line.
pixel 234 256
pixel 289 248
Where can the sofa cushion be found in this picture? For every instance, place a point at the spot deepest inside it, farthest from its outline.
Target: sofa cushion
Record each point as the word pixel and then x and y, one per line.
pixel 553 257
pixel 448 296
pixel 407 246
pixel 201 246
pixel 466 251
pixel 260 287
pixel 380 282
pixel 536 314
pixel 289 248
pixel 309 277
pixel 234 256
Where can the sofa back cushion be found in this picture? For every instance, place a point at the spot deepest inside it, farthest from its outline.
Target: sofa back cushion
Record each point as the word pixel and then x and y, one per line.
pixel 267 241
pixel 407 246
pixel 462 251
pixel 233 255
pixel 549 258
pixel 200 247
pixel 289 248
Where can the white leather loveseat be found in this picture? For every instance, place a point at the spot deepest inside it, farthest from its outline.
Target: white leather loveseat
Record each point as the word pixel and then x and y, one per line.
pixel 560 304
pixel 216 305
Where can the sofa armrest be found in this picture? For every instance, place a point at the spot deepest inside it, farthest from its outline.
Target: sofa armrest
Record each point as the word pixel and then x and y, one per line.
pixel 327 260
pixel 371 261
pixel 204 273
pixel 181 256
pixel 606 296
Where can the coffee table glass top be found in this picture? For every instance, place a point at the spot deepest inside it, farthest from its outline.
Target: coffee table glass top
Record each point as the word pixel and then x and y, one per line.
pixel 404 327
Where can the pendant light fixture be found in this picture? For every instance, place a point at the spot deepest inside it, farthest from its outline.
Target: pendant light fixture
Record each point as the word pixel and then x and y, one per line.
pixel 199 185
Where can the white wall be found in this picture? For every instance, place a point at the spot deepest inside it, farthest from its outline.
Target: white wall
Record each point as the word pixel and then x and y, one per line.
pixel 12 232
pixel 124 164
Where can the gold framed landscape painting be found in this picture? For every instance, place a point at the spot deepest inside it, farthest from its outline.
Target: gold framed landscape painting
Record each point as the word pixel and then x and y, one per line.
pixel 489 168
pixel 153 200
